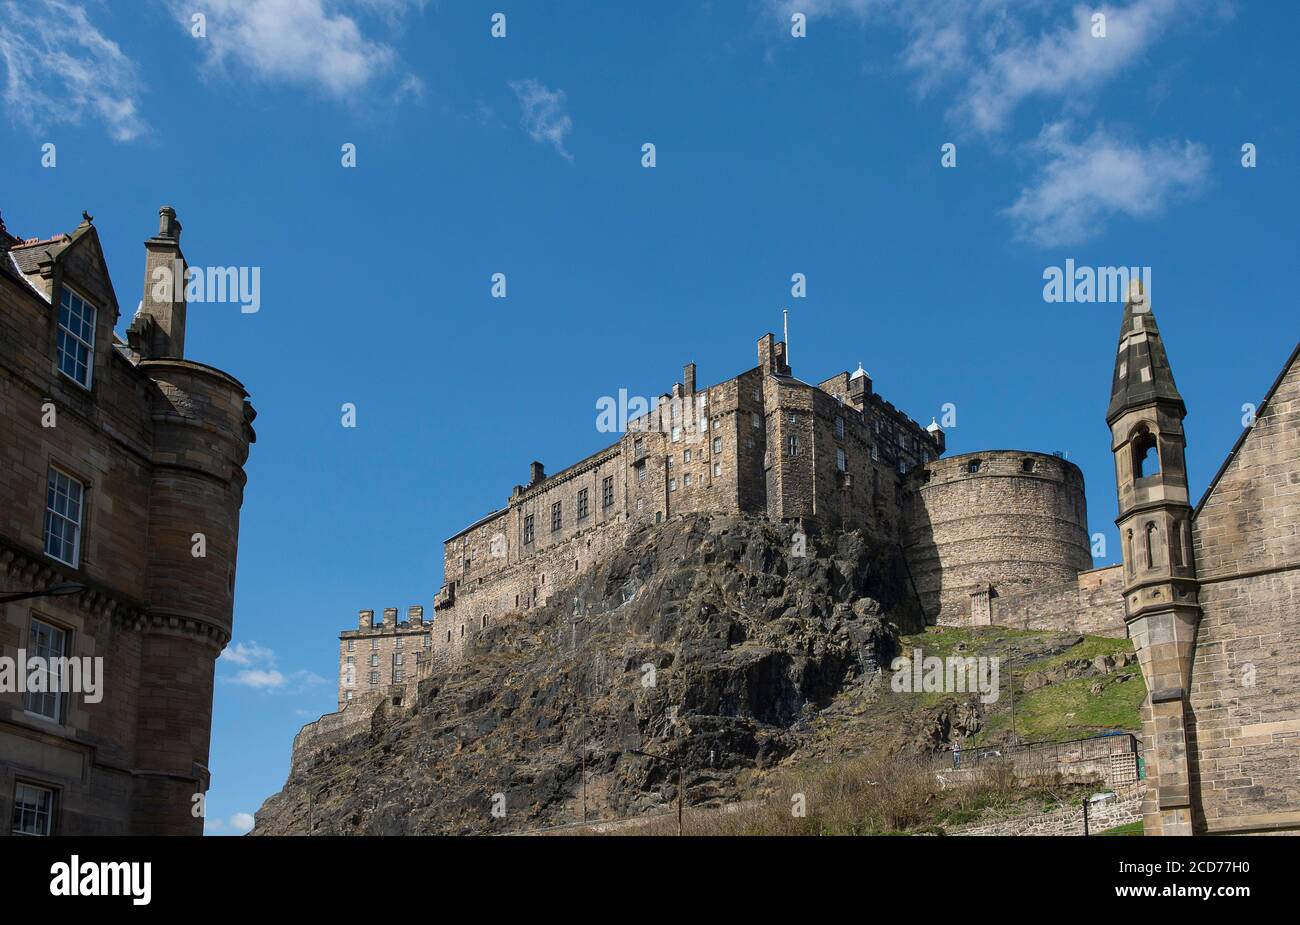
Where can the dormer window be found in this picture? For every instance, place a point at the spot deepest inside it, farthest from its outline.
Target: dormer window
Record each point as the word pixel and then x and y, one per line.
pixel 76 338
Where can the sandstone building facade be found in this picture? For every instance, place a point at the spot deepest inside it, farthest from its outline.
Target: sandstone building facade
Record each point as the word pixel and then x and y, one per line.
pixel 114 456
pixel 1212 598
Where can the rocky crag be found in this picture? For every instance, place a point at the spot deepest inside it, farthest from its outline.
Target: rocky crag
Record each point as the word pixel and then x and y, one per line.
pixel 705 642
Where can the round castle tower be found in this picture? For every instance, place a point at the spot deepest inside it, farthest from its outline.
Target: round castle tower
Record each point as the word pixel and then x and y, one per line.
pixel 993 523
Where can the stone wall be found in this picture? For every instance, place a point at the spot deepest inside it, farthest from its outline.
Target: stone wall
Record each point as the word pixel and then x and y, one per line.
pixel 1009 521
pixel 1124 809
pixel 1244 730
pixel 1093 603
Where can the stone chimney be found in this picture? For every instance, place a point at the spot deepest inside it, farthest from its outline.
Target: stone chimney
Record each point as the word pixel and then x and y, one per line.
pixel 415 615
pixel 536 473
pixel 688 378
pixel 366 620
pixel 390 616
pixel 158 329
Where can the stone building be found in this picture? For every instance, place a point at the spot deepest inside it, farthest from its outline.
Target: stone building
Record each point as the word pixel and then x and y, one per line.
pixel 998 534
pixel 121 481
pixel 1212 598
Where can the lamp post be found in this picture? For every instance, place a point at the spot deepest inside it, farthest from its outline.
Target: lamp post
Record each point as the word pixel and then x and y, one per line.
pixel 680 781
pixel 60 590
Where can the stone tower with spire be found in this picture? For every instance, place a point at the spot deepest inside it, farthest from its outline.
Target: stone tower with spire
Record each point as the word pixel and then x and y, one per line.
pixel 1160 587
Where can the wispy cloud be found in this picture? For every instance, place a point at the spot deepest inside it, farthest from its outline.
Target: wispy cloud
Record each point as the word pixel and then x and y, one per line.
pixel 242 822
pixel 1082 184
pixel 997 54
pixel 542 114
pixel 60 69
pixel 320 44
pixel 257 669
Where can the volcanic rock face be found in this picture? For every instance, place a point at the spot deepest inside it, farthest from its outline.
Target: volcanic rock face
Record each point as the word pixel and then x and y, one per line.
pixel 704 641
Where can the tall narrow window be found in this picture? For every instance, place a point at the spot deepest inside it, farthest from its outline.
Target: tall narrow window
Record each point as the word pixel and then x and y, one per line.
pixel 76 346
pixel 582 503
pixel 1176 543
pixel 841 462
pixel 839 428
pixel 49 644
pixel 792 445
pixel 717 445
pixel 33 810
pixel 1151 545
pixel 63 509
pixel 528 528
pixel 1146 457
pixel 607 491
pixel 557 517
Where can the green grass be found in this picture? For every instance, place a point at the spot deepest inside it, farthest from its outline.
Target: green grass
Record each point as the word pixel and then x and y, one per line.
pixel 1129 828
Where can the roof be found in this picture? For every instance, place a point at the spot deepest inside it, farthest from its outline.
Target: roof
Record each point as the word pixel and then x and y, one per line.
pixel 1241 440
pixel 1142 373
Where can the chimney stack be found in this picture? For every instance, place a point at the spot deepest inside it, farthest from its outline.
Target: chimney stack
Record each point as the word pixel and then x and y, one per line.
pixel 688 378
pixel 536 473
pixel 366 620
pixel 390 616
pixel 158 329
pixel 415 615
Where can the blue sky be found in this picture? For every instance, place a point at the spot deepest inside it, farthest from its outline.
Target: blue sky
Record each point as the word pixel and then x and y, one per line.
pixel 522 155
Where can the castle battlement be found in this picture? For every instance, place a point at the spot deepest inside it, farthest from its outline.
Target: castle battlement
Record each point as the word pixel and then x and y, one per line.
pixel 832 455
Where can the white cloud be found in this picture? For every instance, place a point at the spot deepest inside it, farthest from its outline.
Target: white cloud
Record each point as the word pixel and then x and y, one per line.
pixel 242 822
pixel 247 653
pixel 1082 184
pixel 1000 53
pixel 1063 61
pixel 542 114
pixel 258 669
pixel 60 69
pixel 315 43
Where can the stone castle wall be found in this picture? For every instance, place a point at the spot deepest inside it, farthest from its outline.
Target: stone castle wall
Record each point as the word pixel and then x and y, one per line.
pixel 1093 603
pixel 992 525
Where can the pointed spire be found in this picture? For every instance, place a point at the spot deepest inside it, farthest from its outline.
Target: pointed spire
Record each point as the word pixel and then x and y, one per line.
pixel 1142 373
pixel 860 373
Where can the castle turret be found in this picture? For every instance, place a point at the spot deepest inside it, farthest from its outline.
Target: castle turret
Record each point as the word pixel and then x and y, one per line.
pixel 1160 587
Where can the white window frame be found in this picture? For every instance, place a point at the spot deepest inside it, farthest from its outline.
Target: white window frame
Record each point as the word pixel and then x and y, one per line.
pixel 37 812
pixel 52 484
pixel 33 701
pixel 66 304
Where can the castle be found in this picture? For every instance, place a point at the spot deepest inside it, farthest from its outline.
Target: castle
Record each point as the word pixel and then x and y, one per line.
pixel 997 536
pixel 117 455
pixel 1210 595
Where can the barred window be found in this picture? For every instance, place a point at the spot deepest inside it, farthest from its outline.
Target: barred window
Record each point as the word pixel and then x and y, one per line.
pixel 63 509
pixel 76 346
pixel 640 475
pixel 374 660
pixel 374 677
